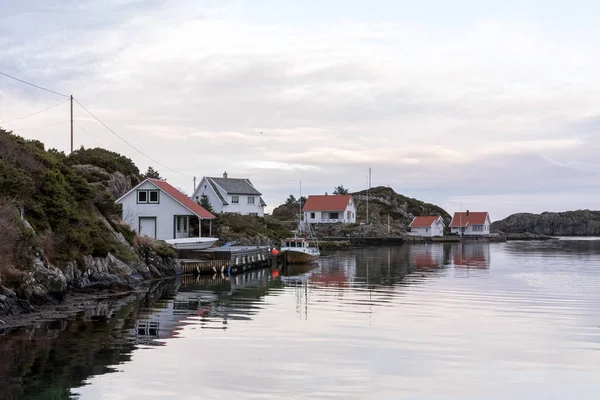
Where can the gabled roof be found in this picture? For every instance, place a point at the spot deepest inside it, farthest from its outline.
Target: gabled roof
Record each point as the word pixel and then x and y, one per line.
pixel 235 185
pixel 336 202
pixel 423 222
pixel 179 197
pixel 463 219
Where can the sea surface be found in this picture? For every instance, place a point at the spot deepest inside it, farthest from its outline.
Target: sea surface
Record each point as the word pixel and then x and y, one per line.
pixel 515 320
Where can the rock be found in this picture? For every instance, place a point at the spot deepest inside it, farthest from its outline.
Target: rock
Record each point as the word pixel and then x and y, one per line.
pixel 48 279
pixel 568 223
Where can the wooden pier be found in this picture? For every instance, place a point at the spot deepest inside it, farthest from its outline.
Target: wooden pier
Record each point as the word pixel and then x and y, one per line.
pixel 228 260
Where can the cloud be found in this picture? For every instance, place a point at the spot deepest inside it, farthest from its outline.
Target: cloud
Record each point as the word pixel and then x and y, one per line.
pixel 437 110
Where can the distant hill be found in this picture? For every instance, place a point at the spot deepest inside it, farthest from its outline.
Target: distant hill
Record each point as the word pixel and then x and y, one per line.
pixel 383 201
pixel 568 223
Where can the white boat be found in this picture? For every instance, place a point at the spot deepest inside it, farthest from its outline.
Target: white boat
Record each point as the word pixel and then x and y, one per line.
pixel 299 251
pixel 196 243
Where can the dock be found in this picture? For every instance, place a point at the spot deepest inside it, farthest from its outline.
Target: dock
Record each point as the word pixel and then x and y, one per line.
pixel 228 260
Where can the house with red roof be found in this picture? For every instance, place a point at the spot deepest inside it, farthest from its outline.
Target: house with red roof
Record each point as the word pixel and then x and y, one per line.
pixel 427 226
pixel 156 209
pixel 470 223
pixel 329 209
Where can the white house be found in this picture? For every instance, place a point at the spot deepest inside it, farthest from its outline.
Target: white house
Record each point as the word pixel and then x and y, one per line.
pixel 327 209
pixel 156 209
pixel 470 223
pixel 427 226
pixel 231 195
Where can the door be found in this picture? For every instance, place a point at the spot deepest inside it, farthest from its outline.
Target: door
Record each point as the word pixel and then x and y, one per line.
pixel 148 227
pixel 182 227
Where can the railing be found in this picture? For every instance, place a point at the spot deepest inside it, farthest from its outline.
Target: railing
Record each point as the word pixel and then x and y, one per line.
pixel 327 220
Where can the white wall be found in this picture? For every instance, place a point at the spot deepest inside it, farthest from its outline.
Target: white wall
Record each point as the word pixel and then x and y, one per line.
pixel 164 212
pixel 243 207
pixel 437 229
pixel 324 217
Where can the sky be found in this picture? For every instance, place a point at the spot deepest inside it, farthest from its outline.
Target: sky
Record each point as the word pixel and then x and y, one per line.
pixel 486 106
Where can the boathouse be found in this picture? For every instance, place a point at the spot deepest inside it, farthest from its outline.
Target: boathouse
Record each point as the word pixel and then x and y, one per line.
pixel 427 226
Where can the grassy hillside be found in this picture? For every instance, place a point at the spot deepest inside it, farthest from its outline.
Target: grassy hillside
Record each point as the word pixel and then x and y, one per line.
pixel 63 208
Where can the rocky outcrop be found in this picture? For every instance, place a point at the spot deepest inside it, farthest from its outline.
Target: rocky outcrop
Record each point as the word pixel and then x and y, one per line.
pixel 568 223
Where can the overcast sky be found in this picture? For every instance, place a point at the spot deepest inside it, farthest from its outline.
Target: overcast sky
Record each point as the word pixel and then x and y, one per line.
pixel 487 107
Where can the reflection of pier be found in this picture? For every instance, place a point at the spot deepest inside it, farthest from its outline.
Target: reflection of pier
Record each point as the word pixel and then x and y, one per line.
pixel 207 301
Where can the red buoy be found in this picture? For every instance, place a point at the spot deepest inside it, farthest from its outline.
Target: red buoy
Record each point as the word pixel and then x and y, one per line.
pixel 274 252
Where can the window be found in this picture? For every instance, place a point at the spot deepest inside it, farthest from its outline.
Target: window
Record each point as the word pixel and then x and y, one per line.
pixel 182 224
pixel 349 215
pixel 250 199
pixel 253 214
pixel 153 196
pixel 426 229
pixel 477 228
pixel 312 215
pixel 235 199
pixel 334 215
pixel 142 196
pixel 147 196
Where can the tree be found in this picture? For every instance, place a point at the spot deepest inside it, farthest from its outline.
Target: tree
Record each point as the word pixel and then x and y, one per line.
pixel 302 200
pixel 205 203
pixel 340 190
pixel 152 173
pixel 291 200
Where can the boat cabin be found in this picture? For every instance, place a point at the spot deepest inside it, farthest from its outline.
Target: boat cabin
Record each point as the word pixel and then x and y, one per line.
pixel 296 242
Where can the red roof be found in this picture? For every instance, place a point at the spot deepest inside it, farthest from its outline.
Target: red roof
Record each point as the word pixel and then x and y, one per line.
pixel 422 222
pixel 182 198
pixel 468 218
pixel 335 202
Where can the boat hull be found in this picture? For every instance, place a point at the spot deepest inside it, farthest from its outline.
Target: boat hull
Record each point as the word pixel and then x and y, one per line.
pixel 299 257
pixel 192 243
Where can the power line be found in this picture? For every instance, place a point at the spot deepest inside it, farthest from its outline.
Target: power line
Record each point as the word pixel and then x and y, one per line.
pixel 35 113
pixel 129 144
pixel 39 127
pixel 31 84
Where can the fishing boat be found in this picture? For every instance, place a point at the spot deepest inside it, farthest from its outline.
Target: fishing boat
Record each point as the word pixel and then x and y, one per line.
pixel 297 250
pixel 195 243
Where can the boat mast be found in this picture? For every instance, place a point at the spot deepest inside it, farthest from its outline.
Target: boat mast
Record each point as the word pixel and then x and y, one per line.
pixel 300 206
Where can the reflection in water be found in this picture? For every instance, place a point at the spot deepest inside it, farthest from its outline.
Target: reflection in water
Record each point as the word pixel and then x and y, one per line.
pixel 368 323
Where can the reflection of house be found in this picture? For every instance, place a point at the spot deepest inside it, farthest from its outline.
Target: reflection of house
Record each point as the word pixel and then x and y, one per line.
pixel 427 256
pixel 427 226
pixel 156 209
pixel 471 255
pixel 231 195
pixel 470 223
pixel 329 209
pixel 337 272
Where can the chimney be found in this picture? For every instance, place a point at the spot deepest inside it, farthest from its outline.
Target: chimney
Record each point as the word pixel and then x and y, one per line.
pixel 467 213
pixel 325 193
pixel 225 174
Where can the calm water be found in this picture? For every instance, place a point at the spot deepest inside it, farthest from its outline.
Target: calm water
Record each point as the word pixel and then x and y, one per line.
pixel 516 320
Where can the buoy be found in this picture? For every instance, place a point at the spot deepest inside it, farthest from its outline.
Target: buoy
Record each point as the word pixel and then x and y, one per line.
pixel 274 252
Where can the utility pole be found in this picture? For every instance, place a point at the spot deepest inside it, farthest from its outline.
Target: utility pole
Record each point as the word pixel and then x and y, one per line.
pixel 71 98
pixel 194 186
pixel 368 189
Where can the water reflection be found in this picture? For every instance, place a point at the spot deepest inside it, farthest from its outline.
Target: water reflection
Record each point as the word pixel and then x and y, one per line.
pixel 357 324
